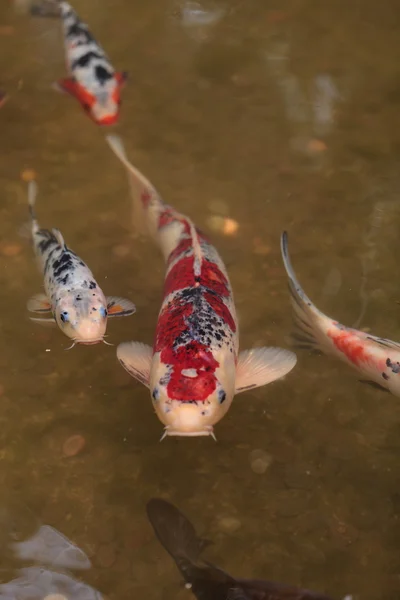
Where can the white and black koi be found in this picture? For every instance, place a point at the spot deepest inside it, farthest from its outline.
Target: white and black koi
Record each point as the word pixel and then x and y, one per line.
pixel 378 359
pixel 93 80
pixel 194 369
pixel 72 299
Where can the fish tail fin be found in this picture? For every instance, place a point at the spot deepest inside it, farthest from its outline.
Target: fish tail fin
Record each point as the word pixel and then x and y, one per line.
pixel 147 204
pixel 175 533
pixel 32 194
pixel 307 318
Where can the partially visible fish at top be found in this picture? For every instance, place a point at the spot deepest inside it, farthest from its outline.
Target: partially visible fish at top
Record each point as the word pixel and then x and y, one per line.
pixel 207 582
pixel 73 299
pixel 194 369
pixel 376 358
pixel 93 80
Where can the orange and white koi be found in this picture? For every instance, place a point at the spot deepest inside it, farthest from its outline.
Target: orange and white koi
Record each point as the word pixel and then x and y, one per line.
pixel 194 369
pixel 93 80
pixel 376 358
pixel 73 300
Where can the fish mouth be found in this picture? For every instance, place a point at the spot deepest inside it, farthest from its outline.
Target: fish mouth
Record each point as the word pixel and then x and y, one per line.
pixel 208 430
pixel 76 341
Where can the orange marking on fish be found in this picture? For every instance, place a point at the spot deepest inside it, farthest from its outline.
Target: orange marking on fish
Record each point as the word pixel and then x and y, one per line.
pixel 350 345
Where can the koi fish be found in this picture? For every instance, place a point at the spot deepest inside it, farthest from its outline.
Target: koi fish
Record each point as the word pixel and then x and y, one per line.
pixel 178 536
pixel 72 296
pixel 194 368
pixel 376 358
pixel 93 80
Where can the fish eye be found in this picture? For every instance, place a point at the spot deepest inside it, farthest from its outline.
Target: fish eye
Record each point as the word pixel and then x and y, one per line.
pixel 156 394
pixel 64 316
pixel 221 396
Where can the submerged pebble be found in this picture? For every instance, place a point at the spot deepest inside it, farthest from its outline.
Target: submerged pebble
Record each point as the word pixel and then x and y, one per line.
pixel 223 225
pixel 73 445
pixel 10 250
pixel 260 461
pixel 229 524
pixel 55 597
pixel 28 175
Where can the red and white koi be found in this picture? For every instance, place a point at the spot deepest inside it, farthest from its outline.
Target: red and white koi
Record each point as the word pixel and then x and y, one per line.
pixel 194 369
pixel 376 358
pixel 73 300
pixel 93 80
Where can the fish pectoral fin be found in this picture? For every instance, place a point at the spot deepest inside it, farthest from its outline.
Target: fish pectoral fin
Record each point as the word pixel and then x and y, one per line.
pixel 59 237
pixel 136 358
pixel 260 366
pixel 119 307
pixel 39 303
pixel 45 321
pixel 66 86
pixel 121 77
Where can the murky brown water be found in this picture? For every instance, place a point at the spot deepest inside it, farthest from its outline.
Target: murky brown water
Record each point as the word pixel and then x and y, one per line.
pixel 289 114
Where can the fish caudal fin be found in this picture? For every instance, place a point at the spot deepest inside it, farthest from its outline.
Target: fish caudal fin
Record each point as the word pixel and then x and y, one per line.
pixel 308 332
pixel 260 366
pixel 144 195
pixel 175 533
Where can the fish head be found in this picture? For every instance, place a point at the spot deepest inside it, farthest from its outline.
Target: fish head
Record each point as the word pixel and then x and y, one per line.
pixel 82 316
pixel 191 396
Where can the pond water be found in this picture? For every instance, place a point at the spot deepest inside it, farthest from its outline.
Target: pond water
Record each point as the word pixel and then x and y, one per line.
pixel 277 116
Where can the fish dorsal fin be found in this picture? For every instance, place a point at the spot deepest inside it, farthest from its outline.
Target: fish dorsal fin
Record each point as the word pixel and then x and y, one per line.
pixel 136 358
pixel 260 366
pixel 58 235
pixel 197 251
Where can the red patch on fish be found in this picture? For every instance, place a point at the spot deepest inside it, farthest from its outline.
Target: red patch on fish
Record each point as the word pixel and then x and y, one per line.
pixel 182 247
pixel 182 276
pixel 145 198
pixel 193 356
pixel 351 346
pixel 171 324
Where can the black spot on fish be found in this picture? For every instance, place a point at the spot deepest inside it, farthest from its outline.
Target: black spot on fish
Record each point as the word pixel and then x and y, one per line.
pixel 386 377
pixel 62 264
pixel 85 59
pixel 64 280
pixel 102 74
pixel 92 285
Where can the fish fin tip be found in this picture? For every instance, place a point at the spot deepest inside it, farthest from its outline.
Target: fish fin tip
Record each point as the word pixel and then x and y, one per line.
pixel 136 359
pixel 119 307
pixel 122 77
pixel 65 86
pixel 39 303
pixel 374 385
pixel 45 321
pixel 260 366
pixel 59 237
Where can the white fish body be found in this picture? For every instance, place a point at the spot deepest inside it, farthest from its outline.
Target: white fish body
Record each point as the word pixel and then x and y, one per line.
pixel 73 299
pixel 377 359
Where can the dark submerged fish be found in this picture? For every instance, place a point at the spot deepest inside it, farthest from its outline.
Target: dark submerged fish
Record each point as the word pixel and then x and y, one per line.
pixel 208 582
